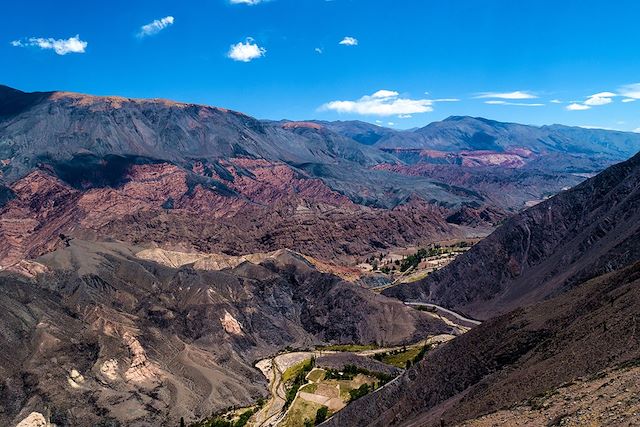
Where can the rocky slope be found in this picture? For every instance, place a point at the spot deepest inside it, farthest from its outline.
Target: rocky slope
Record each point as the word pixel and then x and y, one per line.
pixel 578 234
pixel 92 333
pixel 55 126
pixel 519 357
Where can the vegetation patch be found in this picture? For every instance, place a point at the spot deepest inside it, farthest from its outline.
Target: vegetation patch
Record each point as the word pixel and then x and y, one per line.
pixel 354 348
pixel 230 419
pixel 303 413
pixel 405 357
pixel 309 388
pixel 295 377
pixel 316 375
pixel 416 258
pixel 357 393
pixel 401 359
pixel 349 372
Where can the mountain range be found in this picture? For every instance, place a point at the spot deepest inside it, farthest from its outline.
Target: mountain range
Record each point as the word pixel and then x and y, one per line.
pixel 153 251
pixel 129 168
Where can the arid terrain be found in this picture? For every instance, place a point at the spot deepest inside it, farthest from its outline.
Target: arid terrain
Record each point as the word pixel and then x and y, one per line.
pixel 164 261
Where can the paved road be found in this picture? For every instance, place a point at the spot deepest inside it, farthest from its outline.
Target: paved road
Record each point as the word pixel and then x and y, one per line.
pixel 446 310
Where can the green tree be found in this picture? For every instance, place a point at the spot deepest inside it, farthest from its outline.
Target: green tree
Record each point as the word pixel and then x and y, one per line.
pixel 321 415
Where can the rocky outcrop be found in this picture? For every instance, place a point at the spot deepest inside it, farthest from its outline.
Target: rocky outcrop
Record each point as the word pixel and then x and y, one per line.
pixel 34 419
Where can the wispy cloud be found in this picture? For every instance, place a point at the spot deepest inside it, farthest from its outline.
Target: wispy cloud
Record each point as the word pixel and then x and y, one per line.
pixel 517 104
pixel 249 2
pixel 349 41
pixel 631 91
pixel 155 27
pixel 555 101
pixel 59 46
pixel 518 94
pixel 318 50
pixel 381 103
pixel 246 52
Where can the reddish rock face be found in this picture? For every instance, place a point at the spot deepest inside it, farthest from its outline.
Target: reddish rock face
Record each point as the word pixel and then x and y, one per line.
pixel 259 206
pixel 42 208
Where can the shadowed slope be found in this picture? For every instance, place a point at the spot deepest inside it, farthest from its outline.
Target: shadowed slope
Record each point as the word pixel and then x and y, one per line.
pixel 514 357
pixel 580 233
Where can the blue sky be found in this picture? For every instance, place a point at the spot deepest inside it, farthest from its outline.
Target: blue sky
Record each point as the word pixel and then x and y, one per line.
pixel 415 61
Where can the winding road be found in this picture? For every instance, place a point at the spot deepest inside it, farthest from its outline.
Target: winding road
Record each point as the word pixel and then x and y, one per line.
pixel 445 310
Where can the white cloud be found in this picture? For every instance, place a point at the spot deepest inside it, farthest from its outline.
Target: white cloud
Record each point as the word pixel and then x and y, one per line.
pixel 385 94
pixel 602 98
pixel 156 26
pixel 391 124
pixel 597 99
pixel 249 2
pixel 446 100
pixel 349 41
pixel 381 103
pixel 636 130
pixel 319 50
pixel 629 100
pixel 555 101
pixel 405 116
pixel 59 46
pixel 630 91
pixel 246 52
pixel 517 104
pixel 518 94
pixel 577 107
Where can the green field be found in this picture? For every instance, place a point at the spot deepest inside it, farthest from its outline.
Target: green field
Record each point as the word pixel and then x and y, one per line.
pixel 348 347
pixel 316 375
pixel 300 411
pixel 400 359
pixel 309 388
pixel 290 373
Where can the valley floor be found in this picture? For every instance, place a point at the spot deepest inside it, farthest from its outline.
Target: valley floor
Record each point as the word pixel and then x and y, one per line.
pixel 275 413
